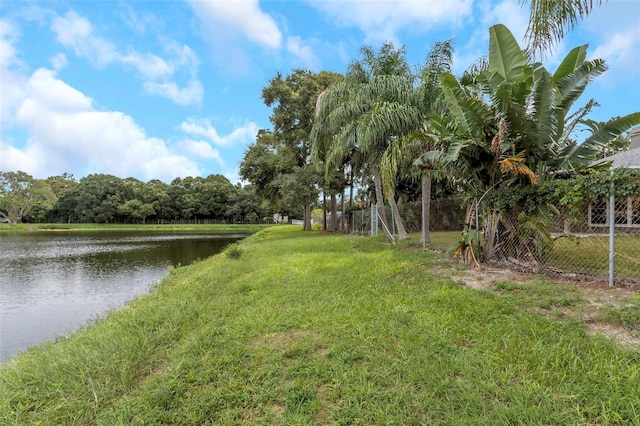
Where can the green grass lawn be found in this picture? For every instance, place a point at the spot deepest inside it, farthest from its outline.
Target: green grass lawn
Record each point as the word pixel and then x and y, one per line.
pixel 288 328
pixel 217 228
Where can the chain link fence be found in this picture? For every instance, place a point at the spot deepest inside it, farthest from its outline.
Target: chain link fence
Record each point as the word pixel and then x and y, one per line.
pixel 574 247
pixel 585 246
pixel 446 214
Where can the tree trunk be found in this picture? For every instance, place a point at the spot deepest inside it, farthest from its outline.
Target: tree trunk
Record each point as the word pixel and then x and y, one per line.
pixel 343 223
pixel 324 211
pixel 334 213
pixel 306 219
pixel 351 202
pixel 491 237
pixel 402 233
pixel 377 180
pixel 426 207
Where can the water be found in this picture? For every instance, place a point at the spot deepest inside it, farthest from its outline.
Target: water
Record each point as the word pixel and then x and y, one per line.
pixel 52 283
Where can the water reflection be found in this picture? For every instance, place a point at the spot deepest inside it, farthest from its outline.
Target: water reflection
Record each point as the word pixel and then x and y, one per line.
pixel 51 283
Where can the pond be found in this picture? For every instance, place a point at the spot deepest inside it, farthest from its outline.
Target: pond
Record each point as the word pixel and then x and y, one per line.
pixel 51 283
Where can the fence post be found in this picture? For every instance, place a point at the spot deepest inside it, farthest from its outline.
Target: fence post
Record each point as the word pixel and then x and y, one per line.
pixel 477 203
pixel 374 220
pixel 612 230
pixel 393 223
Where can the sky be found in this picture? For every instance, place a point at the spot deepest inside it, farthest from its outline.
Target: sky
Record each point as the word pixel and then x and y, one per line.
pixel 166 89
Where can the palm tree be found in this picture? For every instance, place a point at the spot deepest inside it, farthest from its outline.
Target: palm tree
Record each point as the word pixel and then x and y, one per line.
pixel 367 113
pixel 550 19
pixel 430 97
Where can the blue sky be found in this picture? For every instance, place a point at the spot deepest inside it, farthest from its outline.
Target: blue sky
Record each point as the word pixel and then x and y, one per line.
pixel 165 89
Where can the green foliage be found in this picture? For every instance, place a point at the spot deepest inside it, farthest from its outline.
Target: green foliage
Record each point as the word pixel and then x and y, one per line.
pixel 101 198
pixel 511 132
pixel 572 195
pixel 20 192
pixel 277 164
pixel 234 251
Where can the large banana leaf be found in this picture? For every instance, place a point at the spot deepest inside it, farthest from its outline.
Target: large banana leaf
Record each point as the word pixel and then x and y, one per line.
pixel 574 58
pixel 471 115
pixel 572 85
pixel 543 112
pixel 612 129
pixel 506 59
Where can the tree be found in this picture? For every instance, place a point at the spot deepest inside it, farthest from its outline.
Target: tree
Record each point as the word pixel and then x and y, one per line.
pixel 550 19
pixel 368 112
pixel 287 178
pixel 262 163
pixel 244 205
pixel 19 192
pixel 98 196
pixel 431 102
pixel 521 129
pixel 136 210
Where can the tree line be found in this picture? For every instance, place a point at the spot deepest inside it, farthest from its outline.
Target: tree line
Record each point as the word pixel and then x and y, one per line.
pixel 103 198
pixel 505 127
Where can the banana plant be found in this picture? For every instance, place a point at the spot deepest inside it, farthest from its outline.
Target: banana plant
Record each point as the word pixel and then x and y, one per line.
pixel 515 123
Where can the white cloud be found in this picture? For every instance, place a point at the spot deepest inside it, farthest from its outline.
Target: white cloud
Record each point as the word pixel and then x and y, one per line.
pixel 168 167
pixel 66 134
pixel 381 20
pixel 240 16
pixel 59 61
pixel 621 50
pixel 13 159
pixel 190 94
pixel 76 32
pixel 8 35
pixel 202 149
pixel 11 80
pixel 509 13
pixel 132 18
pixel 304 52
pixel 149 65
pixel 182 56
pixel 202 127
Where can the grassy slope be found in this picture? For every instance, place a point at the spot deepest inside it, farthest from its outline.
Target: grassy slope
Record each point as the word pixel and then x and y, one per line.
pixel 310 328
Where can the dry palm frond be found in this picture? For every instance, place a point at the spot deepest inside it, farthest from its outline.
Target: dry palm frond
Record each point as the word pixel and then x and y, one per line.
pixel 516 166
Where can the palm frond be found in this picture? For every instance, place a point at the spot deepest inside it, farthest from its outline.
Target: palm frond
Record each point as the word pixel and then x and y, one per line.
pixel 550 19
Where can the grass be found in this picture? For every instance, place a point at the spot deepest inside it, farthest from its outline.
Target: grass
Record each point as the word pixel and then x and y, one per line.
pixel 315 328
pixel 591 254
pixel 440 240
pixel 48 227
pixel 587 255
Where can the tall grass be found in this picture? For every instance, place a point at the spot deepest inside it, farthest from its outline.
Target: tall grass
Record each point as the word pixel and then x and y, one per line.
pixel 312 328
